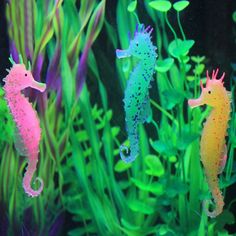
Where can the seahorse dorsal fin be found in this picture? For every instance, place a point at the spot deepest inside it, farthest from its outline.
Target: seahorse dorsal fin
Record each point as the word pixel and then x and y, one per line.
pixel 19 145
pixel 229 94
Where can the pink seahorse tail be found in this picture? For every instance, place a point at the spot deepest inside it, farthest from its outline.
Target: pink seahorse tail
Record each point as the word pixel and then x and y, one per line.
pixel 32 163
pixel 219 203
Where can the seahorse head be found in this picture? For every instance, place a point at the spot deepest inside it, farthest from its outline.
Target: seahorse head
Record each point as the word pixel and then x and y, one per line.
pixel 212 93
pixel 140 46
pixel 20 78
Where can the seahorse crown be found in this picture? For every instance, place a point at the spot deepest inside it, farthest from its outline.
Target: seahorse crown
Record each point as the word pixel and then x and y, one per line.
pixel 20 78
pixel 214 89
pixel 141 45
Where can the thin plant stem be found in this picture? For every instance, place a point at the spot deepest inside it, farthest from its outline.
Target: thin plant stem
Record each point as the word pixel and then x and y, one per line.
pixel 171 28
pixel 136 16
pixel 180 26
pixel 166 113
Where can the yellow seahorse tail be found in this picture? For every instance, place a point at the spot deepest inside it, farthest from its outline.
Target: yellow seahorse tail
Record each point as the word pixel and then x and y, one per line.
pixel 219 203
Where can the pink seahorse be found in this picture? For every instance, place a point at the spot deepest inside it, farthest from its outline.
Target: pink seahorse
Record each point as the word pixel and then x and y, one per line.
pixel 28 132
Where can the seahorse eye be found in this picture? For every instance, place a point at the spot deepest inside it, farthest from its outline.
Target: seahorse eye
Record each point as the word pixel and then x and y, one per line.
pixel 25 74
pixel 209 92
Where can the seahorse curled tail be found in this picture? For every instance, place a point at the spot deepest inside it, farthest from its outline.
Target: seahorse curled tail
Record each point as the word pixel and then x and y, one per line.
pixel 219 203
pixel 134 145
pixel 32 163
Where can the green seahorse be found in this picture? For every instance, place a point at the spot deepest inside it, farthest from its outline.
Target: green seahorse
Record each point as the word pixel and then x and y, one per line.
pixel 136 100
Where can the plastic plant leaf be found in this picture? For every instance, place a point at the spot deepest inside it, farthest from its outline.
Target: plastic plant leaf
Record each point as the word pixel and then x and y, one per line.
pixel 164 230
pixel 156 188
pixel 234 16
pixel 178 48
pixel 164 65
pixel 172 159
pixel 176 186
pixel 225 218
pixel 123 184
pixel 155 166
pixel 191 78
pixel 172 98
pixel 198 59
pixel 96 22
pixel 115 131
pixel 185 139
pixel 128 225
pixel 199 69
pixel 164 148
pixel 181 5
pixel 160 5
pixel 140 206
pixel 122 166
pixel 132 6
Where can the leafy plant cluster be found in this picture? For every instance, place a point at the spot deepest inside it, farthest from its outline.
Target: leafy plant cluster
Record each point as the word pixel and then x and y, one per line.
pixel 85 180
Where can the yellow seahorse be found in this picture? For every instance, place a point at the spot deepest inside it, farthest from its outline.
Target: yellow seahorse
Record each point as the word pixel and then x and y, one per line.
pixel 213 147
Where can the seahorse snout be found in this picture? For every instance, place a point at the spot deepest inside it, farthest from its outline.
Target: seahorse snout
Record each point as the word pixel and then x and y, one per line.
pixel 195 102
pixel 122 53
pixel 39 86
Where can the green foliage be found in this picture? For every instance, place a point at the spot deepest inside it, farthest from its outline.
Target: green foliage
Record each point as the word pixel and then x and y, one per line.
pixel 132 6
pixel 180 5
pixel 160 5
pixel 164 65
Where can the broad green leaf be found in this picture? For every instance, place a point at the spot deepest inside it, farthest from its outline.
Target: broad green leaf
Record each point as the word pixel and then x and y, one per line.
pixel 199 69
pixel 234 16
pixel 160 5
pixel 115 131
pixel 181 5
pixel 225 218
pixel 164 148
pixel 172 98
pixel 140 206
pixel 172 159
pixel 185 59
pixel 121 166
pixel 187 68
pixel 128 225
pixel 156 187
pixel 164 65
pixel 124 184
pixel 132 6
pixel 178 47
pixel 155 166
pixel 175 186
pixel 198 59
pixel 191 78
pixel 186 138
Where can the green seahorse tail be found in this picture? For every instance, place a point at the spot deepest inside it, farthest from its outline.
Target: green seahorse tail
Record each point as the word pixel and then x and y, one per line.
pixel 134 149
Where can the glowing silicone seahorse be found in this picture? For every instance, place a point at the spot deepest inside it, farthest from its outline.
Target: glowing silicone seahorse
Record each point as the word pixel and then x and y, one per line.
pixel 213 147
pixel 28 130
pixel 136 101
